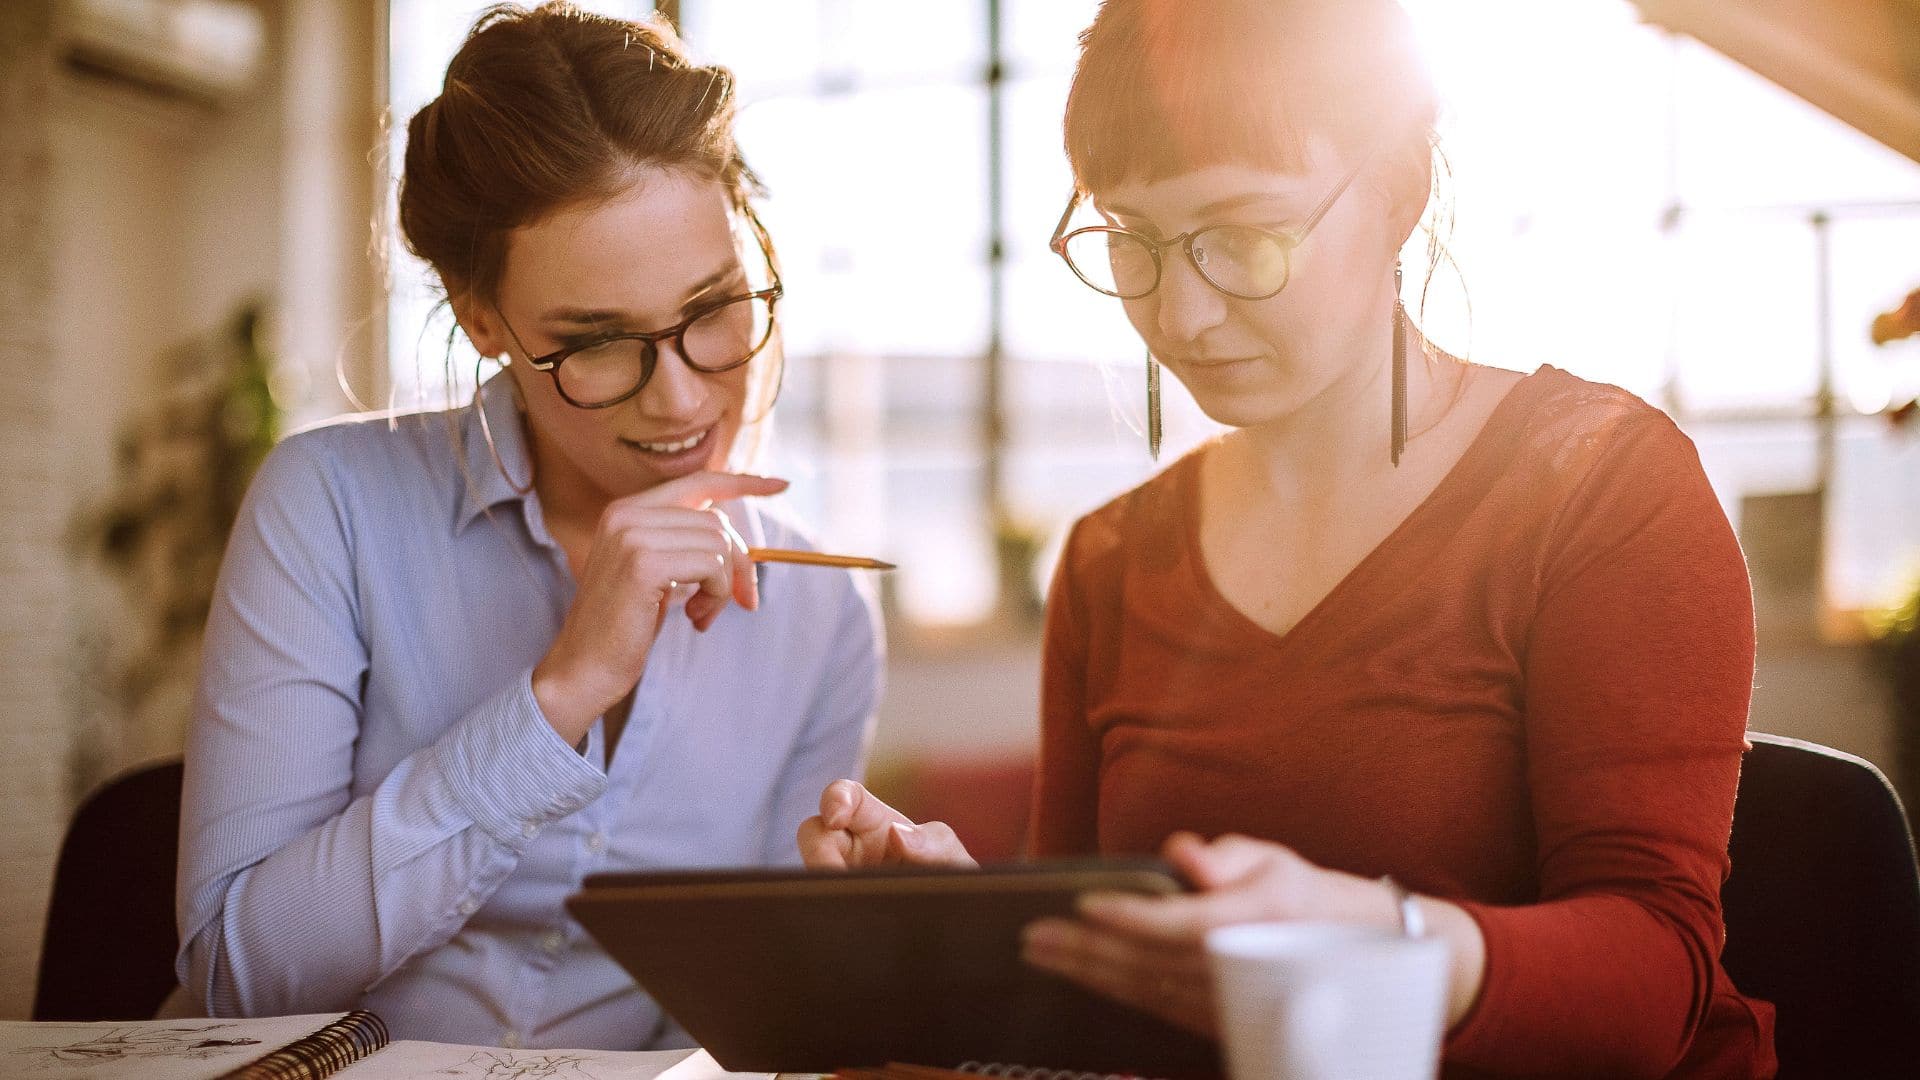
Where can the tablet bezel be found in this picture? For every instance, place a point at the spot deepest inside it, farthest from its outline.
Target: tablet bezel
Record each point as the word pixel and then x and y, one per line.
pixel 710 944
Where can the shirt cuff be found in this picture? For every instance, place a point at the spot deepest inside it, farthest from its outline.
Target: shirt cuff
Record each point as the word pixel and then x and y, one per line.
pixel 511 772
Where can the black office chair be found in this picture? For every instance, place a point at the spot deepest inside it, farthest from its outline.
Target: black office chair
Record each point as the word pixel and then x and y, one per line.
pixel 1823 911
pixel 108 950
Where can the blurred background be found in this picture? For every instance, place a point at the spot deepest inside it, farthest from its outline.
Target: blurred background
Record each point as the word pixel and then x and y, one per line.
pixel 1716 206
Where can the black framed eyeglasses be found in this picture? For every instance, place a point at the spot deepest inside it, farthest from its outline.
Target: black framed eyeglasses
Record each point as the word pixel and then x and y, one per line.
pixel 714 339
pixel 1246 262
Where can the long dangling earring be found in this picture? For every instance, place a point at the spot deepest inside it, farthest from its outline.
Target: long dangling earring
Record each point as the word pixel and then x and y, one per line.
pixel 486 431
pixel 1399 370
pixel 1153 406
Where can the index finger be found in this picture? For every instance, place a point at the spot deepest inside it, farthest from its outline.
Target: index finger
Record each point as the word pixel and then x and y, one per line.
pixel 822 848
pixel 746 575
pixel 697 491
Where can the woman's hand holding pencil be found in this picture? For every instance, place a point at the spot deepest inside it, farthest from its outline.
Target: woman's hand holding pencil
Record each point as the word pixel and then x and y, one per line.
pixel 645 547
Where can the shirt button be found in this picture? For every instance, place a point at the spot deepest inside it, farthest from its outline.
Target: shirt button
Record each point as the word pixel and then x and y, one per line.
pixel 530 830
pixel 468 906
pixel 597 843
pixel 554 941
pixel 510 1038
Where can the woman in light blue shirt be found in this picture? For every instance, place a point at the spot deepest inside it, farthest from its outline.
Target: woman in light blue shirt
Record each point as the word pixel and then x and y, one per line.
pixel 458 661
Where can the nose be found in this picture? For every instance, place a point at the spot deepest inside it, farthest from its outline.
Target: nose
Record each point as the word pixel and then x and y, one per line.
pixel 675 391
pixel 1187 306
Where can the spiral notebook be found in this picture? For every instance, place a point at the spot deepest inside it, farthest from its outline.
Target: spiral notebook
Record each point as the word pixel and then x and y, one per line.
pixel 274 1048
pixel 346 1046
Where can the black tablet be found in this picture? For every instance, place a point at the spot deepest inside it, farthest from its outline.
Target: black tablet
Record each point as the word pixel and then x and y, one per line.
pixel 802 971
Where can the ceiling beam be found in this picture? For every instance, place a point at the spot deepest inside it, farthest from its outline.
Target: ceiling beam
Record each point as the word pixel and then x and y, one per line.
pixel 1856 59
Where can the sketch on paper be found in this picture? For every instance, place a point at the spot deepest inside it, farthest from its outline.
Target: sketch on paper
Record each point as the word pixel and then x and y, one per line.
pixel 507 1065
pixel 134 1043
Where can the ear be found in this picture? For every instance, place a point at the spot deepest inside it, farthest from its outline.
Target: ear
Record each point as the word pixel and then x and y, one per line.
pixel 481 323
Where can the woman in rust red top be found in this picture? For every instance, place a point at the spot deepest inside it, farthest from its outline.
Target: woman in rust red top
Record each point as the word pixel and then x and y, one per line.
pixel 1486 635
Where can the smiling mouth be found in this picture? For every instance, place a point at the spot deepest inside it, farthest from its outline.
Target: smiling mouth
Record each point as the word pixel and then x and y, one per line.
pixel 678 446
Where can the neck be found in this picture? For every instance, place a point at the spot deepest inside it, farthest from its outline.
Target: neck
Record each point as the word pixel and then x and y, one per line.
pixel 568 499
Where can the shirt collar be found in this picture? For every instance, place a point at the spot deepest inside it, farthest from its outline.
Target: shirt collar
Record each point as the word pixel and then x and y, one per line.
pixel 485 487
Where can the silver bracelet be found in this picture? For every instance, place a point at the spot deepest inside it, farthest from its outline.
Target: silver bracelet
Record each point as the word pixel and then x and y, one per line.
pixel 1413 922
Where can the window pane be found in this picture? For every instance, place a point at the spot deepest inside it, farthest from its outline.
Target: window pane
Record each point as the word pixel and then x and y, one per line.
pixel 1044 35
pixel 892 41
pixel 1038 179
pixel 772 46
pixel 1589 296
pixel 784 47
pixel 1076 436
pixel 884 455
pixel 1872 503
pixel 1559 197
pixel 1745 142
pixel 909 169
pixel 1744 312
pixel 878 210
pixel 1872 508
pixel 1874 268
pixel 1051 315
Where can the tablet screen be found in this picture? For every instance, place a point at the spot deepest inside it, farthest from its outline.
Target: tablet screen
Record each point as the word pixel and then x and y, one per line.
pixel 809 971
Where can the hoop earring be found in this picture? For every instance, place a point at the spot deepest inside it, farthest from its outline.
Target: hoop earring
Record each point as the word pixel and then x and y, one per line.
pixel 486 431
pixel 1153 406
pixel 1399 434
pixel 779 383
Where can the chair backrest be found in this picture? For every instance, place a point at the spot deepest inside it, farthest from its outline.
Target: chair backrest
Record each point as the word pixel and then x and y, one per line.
pixel 110 941
pixel 1823 910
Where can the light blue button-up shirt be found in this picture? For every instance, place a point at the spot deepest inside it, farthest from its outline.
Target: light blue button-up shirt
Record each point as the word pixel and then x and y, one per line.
pixel 376 813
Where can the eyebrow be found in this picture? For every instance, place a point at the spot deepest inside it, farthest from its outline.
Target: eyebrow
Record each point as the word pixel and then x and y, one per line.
pixel 594 316
pixel 1216 207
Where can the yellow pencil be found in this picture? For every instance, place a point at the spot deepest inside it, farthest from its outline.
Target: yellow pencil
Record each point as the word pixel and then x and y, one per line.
pixel 815 558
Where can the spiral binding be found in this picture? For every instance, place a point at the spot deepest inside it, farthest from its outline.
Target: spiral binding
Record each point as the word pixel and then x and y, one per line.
pixel 322 1053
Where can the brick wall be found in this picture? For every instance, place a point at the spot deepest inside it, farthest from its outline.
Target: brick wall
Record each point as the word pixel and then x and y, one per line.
pixel 128 225
pixel 34 742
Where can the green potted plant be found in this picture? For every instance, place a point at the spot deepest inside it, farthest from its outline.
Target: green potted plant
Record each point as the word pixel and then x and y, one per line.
pixel 183 464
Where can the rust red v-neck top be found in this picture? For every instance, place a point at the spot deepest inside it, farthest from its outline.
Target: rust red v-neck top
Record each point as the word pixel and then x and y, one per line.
pixel 1531 699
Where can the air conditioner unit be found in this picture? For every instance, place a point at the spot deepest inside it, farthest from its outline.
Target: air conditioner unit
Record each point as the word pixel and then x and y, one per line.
pixel 206 51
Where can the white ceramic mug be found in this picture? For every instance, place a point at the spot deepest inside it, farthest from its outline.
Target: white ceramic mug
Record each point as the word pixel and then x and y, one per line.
pixel 1328 1001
